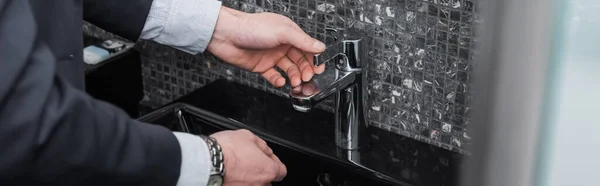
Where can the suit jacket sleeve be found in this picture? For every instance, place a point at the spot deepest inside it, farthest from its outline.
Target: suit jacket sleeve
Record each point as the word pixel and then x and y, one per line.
pixel 125 18
pixel 54 134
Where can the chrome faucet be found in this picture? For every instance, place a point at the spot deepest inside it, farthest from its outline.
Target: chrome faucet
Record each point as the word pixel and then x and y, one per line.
pixel 347 82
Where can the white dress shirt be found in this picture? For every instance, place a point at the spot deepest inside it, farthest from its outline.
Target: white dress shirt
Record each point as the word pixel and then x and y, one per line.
pixel 186 25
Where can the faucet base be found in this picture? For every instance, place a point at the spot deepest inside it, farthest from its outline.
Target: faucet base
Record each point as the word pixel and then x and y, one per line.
pixel 350 123
pixel 346 146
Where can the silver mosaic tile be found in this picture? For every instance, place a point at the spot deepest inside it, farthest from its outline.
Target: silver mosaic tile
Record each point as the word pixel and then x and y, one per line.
pixel 420 67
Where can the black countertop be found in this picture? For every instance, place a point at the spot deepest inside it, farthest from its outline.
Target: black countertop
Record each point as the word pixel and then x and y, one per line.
pixel 399 157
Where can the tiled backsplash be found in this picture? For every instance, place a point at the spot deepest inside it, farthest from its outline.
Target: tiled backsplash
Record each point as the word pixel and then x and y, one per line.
pixel 419 72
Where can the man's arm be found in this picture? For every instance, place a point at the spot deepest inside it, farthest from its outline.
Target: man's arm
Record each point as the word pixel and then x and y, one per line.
pixel 186 25
pixel 53 133
pixel 125 18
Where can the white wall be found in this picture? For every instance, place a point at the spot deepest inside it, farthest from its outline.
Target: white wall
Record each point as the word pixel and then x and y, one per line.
pixel 571 148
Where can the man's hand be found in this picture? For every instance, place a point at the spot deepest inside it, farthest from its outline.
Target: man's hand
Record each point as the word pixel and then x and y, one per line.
pixel 248 160
pixel 259 42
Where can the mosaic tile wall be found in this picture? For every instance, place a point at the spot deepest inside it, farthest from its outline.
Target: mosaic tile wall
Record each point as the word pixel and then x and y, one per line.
pixel 419 72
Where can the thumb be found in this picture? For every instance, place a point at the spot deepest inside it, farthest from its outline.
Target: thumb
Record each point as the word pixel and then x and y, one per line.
pixel 301 40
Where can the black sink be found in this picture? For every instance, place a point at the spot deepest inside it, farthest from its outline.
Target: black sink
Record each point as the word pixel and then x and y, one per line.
pixel 305 167
pixel 306 141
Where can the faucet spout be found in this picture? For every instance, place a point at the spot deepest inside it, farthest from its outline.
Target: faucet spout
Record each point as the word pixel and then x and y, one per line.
pixel 322 86
pixel 347 81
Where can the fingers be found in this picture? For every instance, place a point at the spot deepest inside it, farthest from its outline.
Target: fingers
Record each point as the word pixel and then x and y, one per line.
pixel 263 146
pixel 301 40
pixel 319 69
pixel 306 89
pixel 278 166
pixel 297 89
pixel 258 141
pixel 276 170
pixel 300 58
pixel 291 69
pixel 307 54
pixel 273 77
pixel 309 88
pixel 305 64
pixel 306 70
pixel 250 165
pixel 296 55
pixel 309 57
pixel 282 169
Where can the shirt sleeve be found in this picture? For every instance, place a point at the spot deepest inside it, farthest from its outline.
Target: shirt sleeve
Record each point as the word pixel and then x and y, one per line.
pixel 195 160
pixel 186 25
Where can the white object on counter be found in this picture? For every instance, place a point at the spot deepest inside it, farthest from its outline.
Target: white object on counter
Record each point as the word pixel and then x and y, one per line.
pixel 93 55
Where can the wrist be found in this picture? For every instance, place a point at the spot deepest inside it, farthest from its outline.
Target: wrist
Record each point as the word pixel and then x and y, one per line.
pixel 227 23
pixel 217 173
pixel 196 163
pixel 226 151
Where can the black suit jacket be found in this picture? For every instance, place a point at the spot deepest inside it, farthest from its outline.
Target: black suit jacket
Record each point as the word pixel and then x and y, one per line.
pixel 51 132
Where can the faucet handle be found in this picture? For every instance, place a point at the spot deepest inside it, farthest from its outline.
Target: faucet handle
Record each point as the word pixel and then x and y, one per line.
pixel 336 31
pixel 349 54
pixel 347 50
pixel 331 50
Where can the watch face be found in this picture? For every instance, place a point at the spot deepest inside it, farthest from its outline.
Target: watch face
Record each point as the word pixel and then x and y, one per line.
pixel 215 180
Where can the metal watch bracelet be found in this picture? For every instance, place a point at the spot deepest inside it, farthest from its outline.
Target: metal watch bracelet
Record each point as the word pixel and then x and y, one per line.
pixel 216 155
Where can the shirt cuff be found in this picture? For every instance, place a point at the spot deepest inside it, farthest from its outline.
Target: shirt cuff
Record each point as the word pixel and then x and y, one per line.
pixel 195 160
pixel 186 25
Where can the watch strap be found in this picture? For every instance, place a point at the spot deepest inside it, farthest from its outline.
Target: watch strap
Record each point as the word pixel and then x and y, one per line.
pixel 216 155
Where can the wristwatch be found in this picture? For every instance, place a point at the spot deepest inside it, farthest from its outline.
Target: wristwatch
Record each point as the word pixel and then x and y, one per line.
pixel 217 172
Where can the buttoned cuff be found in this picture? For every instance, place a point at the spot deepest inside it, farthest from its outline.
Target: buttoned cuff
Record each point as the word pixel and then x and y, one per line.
pixel 186 25
pixel 195 160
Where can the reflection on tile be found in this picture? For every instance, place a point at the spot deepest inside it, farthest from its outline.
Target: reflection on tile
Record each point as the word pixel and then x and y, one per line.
pixel 420 67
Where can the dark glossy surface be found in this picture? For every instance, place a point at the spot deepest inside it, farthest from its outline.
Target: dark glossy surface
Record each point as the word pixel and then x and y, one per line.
pixel 304 167
pixel 402 158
